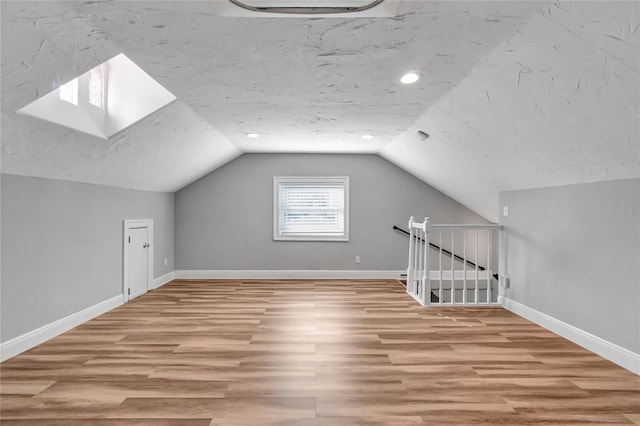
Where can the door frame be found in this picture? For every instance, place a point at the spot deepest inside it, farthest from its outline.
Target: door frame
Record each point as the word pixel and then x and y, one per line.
pixel 127 225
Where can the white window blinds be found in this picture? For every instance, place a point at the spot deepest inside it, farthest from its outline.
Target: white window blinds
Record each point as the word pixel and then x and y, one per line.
pixel 311 208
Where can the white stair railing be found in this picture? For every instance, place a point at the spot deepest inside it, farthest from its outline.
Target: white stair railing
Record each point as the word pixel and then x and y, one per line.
pixel 438 275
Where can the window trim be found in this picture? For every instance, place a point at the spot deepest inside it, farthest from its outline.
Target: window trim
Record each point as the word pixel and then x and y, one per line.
pixel 278 180
pixel 71 88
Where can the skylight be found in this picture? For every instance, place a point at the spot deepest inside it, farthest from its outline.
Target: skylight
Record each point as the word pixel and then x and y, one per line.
pixel 96 87
pixel 103 101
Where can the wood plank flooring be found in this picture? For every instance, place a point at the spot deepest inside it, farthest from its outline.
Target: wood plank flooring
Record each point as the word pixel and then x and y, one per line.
pixel 336 352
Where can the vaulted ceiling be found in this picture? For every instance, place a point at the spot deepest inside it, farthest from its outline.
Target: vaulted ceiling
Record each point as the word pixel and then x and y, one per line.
pixel 513 94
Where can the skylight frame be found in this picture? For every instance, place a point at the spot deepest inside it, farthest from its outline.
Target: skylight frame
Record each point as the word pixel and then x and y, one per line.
pixel 68 92
pixel 129 95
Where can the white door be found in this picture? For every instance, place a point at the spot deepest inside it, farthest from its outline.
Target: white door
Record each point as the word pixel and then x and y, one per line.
pixel 138 261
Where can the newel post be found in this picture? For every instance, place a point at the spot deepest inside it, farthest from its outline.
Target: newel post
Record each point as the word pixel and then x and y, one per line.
pixel 426 281
pixel 410 278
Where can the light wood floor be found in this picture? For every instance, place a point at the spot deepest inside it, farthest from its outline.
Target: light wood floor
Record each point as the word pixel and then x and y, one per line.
pixel 310 353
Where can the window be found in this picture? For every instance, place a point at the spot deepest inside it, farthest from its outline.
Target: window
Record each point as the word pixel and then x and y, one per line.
pixel 69 92
pixel 311 208
pixel 96 87
pixel 102 101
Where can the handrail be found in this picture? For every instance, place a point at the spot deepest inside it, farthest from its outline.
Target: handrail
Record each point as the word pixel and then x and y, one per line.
pixel 465 226
pixel 447 252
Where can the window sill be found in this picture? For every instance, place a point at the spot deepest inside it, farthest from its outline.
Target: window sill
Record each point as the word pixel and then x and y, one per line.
pixel 343 239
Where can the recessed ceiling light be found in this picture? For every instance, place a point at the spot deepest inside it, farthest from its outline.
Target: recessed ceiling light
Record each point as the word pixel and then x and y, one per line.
pixel 367 137
pixel 253 135
pixel 410 77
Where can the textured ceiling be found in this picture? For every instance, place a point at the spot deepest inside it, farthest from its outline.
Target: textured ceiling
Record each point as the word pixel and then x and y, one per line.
pixel 557 103
pixel 514 94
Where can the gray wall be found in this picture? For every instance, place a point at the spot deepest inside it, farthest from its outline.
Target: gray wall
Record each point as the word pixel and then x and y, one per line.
pixel 62 246
pixel 225 220
pixel 573 252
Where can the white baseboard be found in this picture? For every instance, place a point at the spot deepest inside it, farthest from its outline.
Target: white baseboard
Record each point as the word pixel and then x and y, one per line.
pixel 164 279
pixel 19 344
pixel 608 350
pixel 278 274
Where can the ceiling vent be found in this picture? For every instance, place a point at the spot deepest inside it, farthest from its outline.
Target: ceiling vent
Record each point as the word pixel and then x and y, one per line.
pixel 422 135
pixel 317 9
pixel 308 8
pixel 104 100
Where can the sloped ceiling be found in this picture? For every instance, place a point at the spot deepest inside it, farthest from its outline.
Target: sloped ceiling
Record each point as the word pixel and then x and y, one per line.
pixel 513 94
pixel 45 44
pixel 557 103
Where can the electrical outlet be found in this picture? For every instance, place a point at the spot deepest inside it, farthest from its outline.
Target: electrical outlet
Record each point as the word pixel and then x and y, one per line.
pixel 357 259
pixel 505 211
pixel 166 262
pixel 506 282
